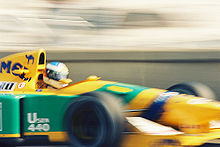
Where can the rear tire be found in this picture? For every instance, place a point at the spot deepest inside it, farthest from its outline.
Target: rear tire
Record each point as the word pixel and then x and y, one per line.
pixel 95 120
pixel 193 88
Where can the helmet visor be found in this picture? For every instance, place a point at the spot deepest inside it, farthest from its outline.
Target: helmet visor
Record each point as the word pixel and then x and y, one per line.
pixel 56 75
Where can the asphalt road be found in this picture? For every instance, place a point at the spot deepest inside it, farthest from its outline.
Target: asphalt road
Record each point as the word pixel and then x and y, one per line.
pixel 206 145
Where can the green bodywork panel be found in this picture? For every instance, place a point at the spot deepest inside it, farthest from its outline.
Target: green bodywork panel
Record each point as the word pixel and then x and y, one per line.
pixel 126 97
pixel 45 109
pixel 46 113
pixel 9 114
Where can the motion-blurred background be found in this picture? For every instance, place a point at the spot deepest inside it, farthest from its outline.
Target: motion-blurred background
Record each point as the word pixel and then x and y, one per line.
pixel 154 43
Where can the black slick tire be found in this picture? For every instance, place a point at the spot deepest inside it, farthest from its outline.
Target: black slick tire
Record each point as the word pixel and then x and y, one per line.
pixel 95 120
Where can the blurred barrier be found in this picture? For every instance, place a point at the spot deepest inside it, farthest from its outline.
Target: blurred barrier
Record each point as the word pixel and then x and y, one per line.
pixel 153 69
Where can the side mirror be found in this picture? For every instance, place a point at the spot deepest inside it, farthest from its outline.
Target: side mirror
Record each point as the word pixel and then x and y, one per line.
pixel 93 78
pixel 66 81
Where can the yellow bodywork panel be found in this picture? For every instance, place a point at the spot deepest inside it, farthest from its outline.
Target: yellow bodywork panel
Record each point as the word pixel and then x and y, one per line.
pixel 119 89
pixel 179 113
pixel 10 135
pixel 23 68
pixel 83 87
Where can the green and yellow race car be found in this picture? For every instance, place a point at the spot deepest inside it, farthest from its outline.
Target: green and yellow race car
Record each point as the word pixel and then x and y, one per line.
pixel 98 113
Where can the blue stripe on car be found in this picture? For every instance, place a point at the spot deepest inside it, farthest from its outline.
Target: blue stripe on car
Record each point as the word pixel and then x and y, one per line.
pixel 156 109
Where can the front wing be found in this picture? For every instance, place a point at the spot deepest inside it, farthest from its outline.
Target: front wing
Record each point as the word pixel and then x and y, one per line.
pixel 147 133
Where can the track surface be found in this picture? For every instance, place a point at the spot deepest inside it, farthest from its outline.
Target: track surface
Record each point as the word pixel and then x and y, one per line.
pixel 206 145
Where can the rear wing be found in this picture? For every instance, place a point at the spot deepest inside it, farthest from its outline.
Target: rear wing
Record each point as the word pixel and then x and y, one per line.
pixel 22 70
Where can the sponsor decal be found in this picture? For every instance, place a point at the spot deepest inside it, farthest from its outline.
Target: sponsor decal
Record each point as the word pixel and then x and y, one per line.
pixel 30 58
pixel 9 67
pixel 165 96
pixel 165 142
pixel 38 124
pixel 190 126
pixel 39 90
pixel 7 86
pixel 21 85
pixel 215 124
pixel 156 109
pixel 199 101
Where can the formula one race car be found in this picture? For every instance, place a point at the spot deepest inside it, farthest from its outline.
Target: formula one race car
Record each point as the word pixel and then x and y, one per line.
pixel 97 113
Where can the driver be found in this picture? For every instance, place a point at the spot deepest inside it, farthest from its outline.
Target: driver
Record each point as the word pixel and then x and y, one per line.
pixel 56 75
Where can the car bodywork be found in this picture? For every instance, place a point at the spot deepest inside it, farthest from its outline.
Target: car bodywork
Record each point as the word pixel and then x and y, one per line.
pixel 155 117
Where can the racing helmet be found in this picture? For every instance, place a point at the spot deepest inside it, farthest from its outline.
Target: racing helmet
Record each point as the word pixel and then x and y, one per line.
pixel 55 74
pixel 57 71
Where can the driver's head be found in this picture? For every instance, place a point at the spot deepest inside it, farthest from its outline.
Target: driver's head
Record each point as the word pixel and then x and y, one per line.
pixel 56 72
